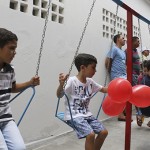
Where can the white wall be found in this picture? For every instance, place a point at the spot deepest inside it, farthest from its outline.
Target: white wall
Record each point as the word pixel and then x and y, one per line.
pixel 59 48
pixel 142 7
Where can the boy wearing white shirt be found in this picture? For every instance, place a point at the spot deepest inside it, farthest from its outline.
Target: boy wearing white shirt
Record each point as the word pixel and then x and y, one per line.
pixel 79 90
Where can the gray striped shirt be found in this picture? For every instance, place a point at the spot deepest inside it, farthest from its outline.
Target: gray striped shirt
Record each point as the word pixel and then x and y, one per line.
pixel 7 79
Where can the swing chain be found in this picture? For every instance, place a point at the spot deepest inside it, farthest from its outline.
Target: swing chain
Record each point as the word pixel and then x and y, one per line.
pixel 107 73
pixel 140 39
pixel 149 28
pixel 43 36
pixel 80 41
pixel 114 31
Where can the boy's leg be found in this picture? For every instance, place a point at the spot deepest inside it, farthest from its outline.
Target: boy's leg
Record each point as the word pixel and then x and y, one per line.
pixel 99 129
pixel 12 136
pixel 3 145
pixel 89 142
pixel 83 129
pixel 100 139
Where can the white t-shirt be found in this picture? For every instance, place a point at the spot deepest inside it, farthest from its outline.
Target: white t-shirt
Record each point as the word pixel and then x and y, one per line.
pixel 79 95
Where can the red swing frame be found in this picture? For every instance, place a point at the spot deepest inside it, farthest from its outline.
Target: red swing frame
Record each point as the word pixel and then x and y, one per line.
pixel 130 13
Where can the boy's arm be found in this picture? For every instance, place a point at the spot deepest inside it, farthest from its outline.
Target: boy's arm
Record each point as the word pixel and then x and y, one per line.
pixel 108 64
pixel 17 87
pixel 103 89
pixel 60 89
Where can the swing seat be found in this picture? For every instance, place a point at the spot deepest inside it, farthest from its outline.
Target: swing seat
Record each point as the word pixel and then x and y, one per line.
pixel 146 111
pixel 28 104
pixel 60 115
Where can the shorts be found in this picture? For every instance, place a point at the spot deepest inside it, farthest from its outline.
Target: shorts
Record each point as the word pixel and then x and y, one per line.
pixel 86 125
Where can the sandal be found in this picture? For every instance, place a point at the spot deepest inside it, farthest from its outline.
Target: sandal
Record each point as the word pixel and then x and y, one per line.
pixel 148 124
pixel 122 119
pixel 139 120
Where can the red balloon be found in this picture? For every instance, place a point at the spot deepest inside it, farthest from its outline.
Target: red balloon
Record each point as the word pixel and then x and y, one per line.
pixel 120 90
pixel 111 108
pixel 140 96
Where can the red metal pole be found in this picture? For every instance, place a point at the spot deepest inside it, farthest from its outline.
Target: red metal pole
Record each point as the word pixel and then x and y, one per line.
pixel 129 77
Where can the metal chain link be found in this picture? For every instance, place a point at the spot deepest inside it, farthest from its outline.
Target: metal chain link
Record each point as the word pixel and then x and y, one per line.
pixel 107 73
pixel 114 30
pixel 43 36
pixel 80 41
pixel 149 28
pixel 140 40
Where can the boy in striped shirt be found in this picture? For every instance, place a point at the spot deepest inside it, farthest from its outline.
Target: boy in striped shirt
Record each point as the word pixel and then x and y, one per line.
pixel 10 137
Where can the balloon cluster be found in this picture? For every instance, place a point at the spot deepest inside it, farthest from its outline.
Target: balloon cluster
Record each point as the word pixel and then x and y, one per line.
pixel 120 91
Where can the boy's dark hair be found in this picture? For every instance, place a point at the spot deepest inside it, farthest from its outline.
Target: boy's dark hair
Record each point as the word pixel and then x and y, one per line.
pixel 84 59
pixel 6 36
pixel 148 65
pixel 134 38
pixel 117 36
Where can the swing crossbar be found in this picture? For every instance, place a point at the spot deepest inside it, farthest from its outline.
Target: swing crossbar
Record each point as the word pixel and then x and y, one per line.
pixel 130 13
pixel 126 7
pixel 28 104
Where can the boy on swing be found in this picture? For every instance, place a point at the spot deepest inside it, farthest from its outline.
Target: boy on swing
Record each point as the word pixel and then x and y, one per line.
pixel 80 89
pixel 10 137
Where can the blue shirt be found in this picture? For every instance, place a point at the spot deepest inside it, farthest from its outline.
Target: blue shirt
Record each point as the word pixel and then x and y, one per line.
pixel 118 68
pixel 7 79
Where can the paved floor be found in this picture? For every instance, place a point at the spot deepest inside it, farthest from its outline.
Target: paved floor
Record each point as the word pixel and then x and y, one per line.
pixel 140 138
